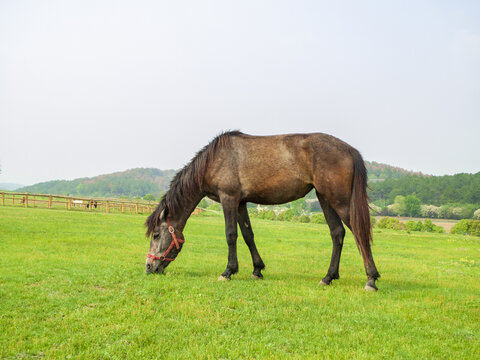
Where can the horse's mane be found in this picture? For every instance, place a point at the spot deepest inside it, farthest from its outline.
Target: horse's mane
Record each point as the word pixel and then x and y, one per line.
pixel 188 182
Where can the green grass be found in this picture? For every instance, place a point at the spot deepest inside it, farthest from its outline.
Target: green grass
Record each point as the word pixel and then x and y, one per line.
pixel 72 285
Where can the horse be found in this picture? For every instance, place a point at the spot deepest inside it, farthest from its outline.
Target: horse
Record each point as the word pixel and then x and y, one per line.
pixel 236 168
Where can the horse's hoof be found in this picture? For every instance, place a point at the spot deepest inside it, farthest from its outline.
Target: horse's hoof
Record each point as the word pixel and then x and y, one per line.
pixel 223 278
pixel 323 283
pixel 370 288
pixel 256 277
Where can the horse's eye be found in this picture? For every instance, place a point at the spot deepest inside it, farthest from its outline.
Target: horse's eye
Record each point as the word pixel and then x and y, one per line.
pixel 156 236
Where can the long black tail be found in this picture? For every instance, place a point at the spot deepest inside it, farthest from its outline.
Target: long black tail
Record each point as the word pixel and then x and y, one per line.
pixel 359 209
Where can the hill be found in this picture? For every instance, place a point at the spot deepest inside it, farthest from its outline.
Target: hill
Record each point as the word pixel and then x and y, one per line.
pixel 460 192
pixel 380 172
pixel 9 186
pixel 386 182
pixel 142 181
pixel 133 182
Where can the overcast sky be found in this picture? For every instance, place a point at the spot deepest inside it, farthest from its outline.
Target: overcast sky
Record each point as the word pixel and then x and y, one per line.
pixel 93 87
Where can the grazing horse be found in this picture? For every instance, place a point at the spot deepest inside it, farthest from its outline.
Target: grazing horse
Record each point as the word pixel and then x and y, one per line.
pixel 235 168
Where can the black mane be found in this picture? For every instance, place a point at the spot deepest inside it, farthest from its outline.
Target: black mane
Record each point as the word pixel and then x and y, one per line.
pixel 188 182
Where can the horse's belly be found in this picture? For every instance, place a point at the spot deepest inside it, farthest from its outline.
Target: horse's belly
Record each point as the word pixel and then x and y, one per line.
pixel 272 191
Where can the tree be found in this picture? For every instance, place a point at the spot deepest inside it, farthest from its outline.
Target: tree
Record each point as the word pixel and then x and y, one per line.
pixel 215 207
pixel 399 207
pixel 428 225
pixel 202 204
pixel 298 206
pixel 462 227
pixel 80 189
pixel 412 205
pixel 149 197
pixel 314 206
pixel 414 226
pixel 286 215
pixel 304 219
pixel 318 219
pixel 390 223
pixel 267 214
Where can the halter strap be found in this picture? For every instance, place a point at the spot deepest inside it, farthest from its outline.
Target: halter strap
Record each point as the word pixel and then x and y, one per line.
pixel 175 242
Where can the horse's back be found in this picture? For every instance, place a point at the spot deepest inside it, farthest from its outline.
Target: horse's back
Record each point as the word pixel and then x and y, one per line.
pixel 281 168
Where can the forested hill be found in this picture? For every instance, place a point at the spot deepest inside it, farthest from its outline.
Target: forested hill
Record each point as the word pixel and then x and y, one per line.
pixel 142 181
pixel 131 183
pixel 378 171
pixel 434 190
pixel 390 182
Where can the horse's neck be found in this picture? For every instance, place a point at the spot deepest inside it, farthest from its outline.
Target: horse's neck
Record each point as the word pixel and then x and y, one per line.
pixel 188 208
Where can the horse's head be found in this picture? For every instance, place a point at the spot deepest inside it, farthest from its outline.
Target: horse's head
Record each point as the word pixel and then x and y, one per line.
pixel 165 242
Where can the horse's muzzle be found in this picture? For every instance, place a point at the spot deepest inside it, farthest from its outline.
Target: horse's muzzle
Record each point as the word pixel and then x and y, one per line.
pixel 151 268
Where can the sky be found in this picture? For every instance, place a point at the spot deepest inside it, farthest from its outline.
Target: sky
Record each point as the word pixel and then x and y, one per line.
pixel 94 87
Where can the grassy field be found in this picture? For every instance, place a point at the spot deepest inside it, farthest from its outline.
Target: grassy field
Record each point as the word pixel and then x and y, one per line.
pixel 72 285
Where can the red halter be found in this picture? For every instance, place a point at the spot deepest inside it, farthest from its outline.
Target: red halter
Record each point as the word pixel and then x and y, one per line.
pixel 175 242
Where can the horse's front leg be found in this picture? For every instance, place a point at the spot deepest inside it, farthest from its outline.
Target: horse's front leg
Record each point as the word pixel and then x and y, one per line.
pixel 230 212
pixel 247 233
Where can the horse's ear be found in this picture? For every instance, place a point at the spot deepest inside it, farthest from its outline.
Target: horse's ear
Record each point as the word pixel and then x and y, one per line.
pixel 163 215
pixel 154 219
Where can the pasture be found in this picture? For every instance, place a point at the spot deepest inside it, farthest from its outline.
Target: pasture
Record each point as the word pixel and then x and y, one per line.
pixel 72 285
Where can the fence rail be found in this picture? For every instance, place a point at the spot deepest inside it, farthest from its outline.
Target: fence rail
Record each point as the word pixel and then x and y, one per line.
pixel 28 200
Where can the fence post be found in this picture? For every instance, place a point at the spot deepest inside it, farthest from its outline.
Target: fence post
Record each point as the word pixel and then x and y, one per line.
pixel 3 199
pixel 136 208
pixel 108 206
pixel 26 200
pixel 50 202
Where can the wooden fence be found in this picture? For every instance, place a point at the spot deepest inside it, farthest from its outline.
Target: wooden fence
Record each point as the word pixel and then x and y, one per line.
pixel 76 203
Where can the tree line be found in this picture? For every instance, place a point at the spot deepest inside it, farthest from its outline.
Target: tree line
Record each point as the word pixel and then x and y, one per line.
pixel 393 191
pixel 450 196
pixel 434 190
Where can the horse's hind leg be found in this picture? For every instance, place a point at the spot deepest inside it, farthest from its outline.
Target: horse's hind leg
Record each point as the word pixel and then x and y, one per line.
pixel 370 268
pixel 337 232
pixel 247 233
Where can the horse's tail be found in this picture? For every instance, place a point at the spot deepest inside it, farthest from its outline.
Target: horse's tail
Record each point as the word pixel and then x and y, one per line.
pixel 359 209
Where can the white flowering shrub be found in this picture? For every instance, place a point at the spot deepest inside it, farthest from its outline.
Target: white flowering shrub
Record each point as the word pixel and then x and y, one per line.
pixel 430 211
pixel 459 212
pixel 374 209
pixel 476 214
pixel 390 210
